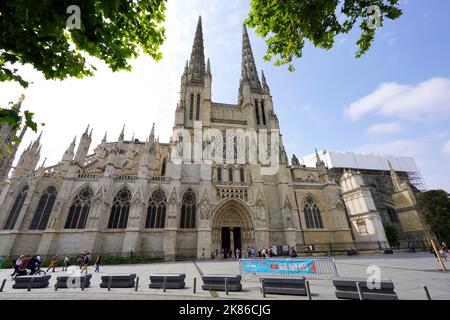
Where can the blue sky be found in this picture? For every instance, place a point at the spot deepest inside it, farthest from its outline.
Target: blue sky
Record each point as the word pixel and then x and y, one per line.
pixel 394 100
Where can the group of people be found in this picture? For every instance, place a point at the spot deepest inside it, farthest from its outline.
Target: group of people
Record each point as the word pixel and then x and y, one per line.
pixel 26 262
pixel 228 254
pixel 83 261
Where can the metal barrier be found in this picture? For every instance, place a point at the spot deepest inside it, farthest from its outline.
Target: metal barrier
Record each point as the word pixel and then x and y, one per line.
pixel 310 268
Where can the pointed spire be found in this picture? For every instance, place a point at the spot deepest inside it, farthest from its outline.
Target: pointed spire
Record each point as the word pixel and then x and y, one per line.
pixel 208 68
pixel 18 105
pixel 151 138
pixel 87 130
pixel 248 61
pixel 264 82
pixel 71 148
pixel 104 138
pixel 395 179
pixel 90 133
pixel 319 161
pixel 122 134
pixel 196 70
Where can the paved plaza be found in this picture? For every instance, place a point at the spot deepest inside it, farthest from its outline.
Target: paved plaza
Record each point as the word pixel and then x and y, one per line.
pixel 408 272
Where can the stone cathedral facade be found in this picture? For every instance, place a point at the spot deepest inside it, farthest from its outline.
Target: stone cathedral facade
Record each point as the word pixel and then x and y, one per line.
pixel 133 196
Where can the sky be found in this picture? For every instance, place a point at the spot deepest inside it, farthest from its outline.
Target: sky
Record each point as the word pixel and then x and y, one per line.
pixel 395 100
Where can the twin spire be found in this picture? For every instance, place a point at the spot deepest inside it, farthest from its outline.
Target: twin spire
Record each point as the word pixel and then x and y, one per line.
pixel 196 70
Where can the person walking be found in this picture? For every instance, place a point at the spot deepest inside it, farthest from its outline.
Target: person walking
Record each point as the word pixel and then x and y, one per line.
pixel 98 262
pixel 85 263
pixel 238 253
pixel 65 263
pixel 53 263
pixel 16 264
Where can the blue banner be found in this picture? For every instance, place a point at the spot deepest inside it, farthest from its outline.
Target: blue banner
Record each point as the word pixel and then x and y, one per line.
pixel 279 266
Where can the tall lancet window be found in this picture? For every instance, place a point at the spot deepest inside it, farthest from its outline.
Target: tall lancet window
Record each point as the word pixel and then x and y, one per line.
pixel 219 174
pixel 188 210
pixel 79 210
pixel 235 149
pixel 263 112
pixel 156 211
pixel 16 208
pixel 242 174
pixel 224 145
pixel 312 214
pixel 197 108
pixel 191 108
pixel 230 174
pixel 44 209
pixel 257 112
pixel 163 168
pixel 120 210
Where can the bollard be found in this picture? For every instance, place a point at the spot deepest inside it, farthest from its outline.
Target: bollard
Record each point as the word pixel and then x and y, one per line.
pixel 195 285
pixel 164 285
pixel 30 284
pixel 263 289
pixel 226 286
pixel 109 283
pixel 3 285
pixel 137 284
pixel 308 290
pixel 427 293
pixel 358 287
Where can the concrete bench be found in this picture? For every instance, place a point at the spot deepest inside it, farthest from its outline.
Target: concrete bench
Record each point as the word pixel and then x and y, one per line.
pixel 290 286
pixel 126 280
pixel 173 280
pixel 217 282
pixel 346 289
pixel 73 281
pixel 23 282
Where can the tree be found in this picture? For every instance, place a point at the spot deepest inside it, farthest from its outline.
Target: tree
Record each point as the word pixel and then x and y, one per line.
pixel 290 23
pixel 392 235
pixel 55 36
pixel 434 210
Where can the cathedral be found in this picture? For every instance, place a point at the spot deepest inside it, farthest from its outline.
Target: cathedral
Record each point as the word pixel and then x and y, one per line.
pixel 169 200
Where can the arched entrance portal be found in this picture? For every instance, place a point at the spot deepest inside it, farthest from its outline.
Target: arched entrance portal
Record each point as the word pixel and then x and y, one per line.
pixel 232 227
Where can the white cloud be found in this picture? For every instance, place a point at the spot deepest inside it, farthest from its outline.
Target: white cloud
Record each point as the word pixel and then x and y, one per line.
pixel 388 127
pixel 427 99
pixel 446 148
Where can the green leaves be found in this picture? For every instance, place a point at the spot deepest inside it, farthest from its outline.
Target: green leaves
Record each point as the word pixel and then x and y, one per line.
pixel 287 24
pixel 35 32
pixel 434 210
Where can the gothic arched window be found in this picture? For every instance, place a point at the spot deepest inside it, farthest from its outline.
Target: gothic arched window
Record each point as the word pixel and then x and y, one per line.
pixel 156 212
pixel 230 175
pixel 188 210
pixel 392 215
pixel 120 210
pixel 263 112
pixel 79 210
pixel 242 175
pixel 197 109
pixel 312 214
pixel 191 108
pixel 16 208
pixel 219 174
pixel 163 169
pixel 257 112
pixel 44 209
